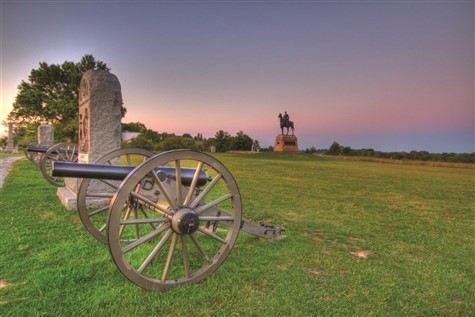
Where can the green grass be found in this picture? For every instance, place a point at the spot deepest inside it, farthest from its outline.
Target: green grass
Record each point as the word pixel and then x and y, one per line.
pixel 2 154
pixel 416 223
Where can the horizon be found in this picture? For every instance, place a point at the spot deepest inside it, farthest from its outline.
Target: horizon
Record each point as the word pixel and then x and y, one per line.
pixel 392 76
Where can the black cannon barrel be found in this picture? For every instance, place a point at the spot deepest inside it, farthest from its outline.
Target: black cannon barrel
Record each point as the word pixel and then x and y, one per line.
pixel 44 149
pixel 118 172
pixel 37 148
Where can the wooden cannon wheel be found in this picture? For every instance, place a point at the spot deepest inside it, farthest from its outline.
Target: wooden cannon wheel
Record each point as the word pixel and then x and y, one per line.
pixel 65 152
pixel 163 232
pixel 94 195
pixel 33 156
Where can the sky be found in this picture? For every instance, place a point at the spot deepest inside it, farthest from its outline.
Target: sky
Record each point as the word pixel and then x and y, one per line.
pixel 387 75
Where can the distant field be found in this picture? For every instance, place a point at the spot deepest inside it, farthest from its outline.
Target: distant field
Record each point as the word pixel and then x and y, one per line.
pixel 364 238
pixel 401 161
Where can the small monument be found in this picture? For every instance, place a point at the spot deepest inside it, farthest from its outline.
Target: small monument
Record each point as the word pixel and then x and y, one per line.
pixel 286 143
pixel 45 135
pixel 100 103
pixel 10 145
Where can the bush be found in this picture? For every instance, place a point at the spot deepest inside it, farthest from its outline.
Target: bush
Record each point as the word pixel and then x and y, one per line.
pixel 176 142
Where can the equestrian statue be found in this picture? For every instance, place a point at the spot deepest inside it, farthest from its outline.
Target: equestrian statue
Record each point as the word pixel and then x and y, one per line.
pixel 286 123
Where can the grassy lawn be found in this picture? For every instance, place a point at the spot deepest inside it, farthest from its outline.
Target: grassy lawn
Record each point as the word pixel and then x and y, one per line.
pixel 364 238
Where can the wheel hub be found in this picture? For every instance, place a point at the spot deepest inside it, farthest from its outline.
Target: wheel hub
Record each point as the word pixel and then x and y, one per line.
pixel 185 221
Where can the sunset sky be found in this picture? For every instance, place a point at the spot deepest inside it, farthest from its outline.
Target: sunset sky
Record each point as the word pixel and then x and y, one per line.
pixel 388 75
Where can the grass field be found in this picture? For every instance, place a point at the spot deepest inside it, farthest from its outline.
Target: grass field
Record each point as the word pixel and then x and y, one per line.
pixel 364 238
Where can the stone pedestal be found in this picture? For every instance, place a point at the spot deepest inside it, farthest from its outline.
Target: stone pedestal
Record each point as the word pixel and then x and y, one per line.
pixel 286 143
pixel 100 103
pixel 45 135
pixel 10 145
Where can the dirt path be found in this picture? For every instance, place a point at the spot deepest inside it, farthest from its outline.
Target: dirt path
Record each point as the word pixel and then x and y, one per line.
pixel 5 166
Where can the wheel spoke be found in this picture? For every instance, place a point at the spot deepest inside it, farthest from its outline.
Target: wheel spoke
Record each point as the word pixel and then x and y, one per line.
pixel 164 191
pixel 71 154
pixel 148 217
pixel 60 157
pixel 100 195
pixel 213 203
pixel 144 221
pixel 186 262
pixel 212 235
pixel 193 184
pixel 151 204
pixel 122 227
pixel 104 226
pixel 154 252
pixel 146 237
pixel 137 232
pixel 98 211
pixel 58 180
pixel 169 257
pixel 216 218
pixel 200 248
pixel 178 182
pixel 200 197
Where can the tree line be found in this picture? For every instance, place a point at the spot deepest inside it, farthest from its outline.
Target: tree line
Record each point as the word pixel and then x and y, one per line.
pixel 340 150
pixel 155 141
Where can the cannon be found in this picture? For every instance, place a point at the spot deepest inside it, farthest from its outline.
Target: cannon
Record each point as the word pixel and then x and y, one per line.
pixel 171 220
pixel 43 156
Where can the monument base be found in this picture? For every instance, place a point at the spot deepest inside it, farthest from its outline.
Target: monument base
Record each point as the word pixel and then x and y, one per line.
pixel 67 198
pixel 286 143
pixel 10 148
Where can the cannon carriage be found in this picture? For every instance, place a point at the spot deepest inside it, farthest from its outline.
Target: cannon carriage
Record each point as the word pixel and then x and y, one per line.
pixel 172 219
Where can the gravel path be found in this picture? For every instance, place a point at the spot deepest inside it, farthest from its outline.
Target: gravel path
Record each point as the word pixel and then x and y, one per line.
pixel 5 166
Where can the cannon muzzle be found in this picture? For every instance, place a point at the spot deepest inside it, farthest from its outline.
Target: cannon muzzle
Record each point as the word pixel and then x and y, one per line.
pixel 119 172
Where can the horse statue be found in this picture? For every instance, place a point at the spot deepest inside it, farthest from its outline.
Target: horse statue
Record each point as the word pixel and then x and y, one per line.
pixel 284 124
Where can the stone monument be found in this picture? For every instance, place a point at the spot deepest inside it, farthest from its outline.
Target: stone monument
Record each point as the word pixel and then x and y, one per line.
pixel 10 145
pixel 45 135
pixel 100 103
pixel 286 143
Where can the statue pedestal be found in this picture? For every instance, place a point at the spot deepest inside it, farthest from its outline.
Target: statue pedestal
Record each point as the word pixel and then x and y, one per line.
pixel 286 143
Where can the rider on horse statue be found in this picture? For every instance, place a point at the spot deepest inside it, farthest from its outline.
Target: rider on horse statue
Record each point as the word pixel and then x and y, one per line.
pixel 286 123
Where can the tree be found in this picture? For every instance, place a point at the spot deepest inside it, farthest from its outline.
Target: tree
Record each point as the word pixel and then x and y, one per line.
pixel 241 142
pixel 134 127
pixel 256 146
pixel 335 149
pixel 3 141
pixel 222 141
pixel 199 137
pixel 51 96
pixel 140 142
pixel 177 142
pixel 152 136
